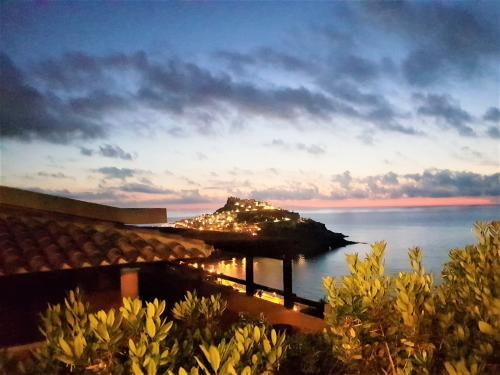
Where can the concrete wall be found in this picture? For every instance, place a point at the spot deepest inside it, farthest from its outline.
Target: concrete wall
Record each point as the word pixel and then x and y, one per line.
pixel 39 201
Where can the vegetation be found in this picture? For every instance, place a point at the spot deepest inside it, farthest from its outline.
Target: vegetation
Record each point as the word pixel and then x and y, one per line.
pixel 377 324
pixel 138 339
pixel 404 324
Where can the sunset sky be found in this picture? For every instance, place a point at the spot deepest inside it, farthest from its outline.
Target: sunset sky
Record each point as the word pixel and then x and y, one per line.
pixel 309 105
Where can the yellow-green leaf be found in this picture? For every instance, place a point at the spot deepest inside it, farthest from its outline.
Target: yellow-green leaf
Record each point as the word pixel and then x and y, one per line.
pixel 256 334
pixel 150 327
pixel 267 346
pixel 486 328
pixel 214 358
pixel 136 369
pixel 65 347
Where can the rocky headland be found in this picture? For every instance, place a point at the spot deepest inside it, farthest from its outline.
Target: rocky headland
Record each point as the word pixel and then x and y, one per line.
pixel 247 225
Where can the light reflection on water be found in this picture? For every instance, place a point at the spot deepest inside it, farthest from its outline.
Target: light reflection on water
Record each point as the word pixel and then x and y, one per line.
pixel 435 230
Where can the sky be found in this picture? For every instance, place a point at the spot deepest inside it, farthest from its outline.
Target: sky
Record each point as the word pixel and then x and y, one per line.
pixel 305 104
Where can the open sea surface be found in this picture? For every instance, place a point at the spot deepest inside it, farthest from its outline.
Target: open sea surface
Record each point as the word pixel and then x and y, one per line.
pixel 435 230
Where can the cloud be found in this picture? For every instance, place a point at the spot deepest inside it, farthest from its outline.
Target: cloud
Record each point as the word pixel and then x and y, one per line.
pixel 285 193
pixel 108 151
pixel 494 132
pixel 201 156
pixel 192 93
pixel 86 151
pixel 144 188
pixel 443 37
pixel 446 111
pixel 111 151
pixel 492 114
pixel 468 154
pixel 53 175
pixel 343 179
pixel 102 196
pixel 430 183
pixel 356 68
pixel 373 108
pixel 117 173
pixel 264 56
pixel 26 113
pixel 312 149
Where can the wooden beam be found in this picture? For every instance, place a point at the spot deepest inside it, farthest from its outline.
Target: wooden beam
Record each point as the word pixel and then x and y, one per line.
pixel 287 282
pixel 250 287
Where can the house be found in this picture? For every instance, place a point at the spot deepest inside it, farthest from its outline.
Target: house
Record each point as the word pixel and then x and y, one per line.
pixel 49 245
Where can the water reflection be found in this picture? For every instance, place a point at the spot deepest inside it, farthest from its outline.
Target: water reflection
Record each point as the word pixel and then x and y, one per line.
pixel 436 230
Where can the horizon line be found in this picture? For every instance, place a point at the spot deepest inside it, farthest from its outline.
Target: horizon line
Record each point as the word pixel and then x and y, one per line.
pixel 319 204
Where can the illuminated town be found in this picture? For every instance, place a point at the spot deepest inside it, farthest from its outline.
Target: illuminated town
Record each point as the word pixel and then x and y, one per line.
pixel 238 215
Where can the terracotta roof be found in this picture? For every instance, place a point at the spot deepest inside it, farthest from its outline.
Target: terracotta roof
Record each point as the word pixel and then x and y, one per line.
pixel 37 241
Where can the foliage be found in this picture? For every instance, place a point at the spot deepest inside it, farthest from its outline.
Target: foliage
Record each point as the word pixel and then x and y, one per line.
pixel 138 339
pixel 310 354
pixel 404 324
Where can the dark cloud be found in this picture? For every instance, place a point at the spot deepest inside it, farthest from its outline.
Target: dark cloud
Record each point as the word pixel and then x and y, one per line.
pixel 86 151
pixel 113 151
pixel 144 188
pixel 492 114
pixel 430 183
pixel 356 68
pixel 108 151
pixel 446 111
pixel 94 104
pixel 117 173
pixel 344 179
pixel 312 149
pixel 27 114
pixel 264 56
pixel 373 108
pixel 443 36
pixel 494 132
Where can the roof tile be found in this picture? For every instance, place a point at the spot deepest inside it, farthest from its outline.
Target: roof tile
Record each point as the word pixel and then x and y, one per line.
pixel 39 241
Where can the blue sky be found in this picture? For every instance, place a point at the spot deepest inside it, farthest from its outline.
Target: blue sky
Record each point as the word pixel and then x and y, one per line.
pixel 181 104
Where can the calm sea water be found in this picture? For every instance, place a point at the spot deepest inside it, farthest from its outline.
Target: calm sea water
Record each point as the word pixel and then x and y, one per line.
pixel 436 230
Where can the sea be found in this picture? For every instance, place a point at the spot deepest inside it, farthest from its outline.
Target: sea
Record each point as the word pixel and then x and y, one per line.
pixel 435 230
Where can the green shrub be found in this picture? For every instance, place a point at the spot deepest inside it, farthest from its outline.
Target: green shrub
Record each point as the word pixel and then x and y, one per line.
pixel 138 339
pixel 404 324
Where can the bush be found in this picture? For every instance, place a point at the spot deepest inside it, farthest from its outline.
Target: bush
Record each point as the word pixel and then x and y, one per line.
pixel 138 339
pixel 404 324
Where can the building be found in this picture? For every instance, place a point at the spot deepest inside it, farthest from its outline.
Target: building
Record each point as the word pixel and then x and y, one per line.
pixel 49 245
